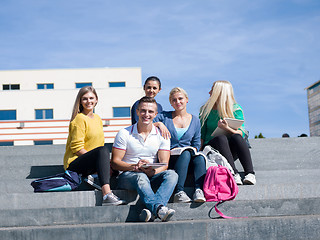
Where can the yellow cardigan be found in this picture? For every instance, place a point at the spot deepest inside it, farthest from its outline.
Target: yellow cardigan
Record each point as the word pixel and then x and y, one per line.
pixel 84 132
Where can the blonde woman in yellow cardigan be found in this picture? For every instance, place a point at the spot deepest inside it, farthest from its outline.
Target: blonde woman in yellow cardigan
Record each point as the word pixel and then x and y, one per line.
pixel 85 150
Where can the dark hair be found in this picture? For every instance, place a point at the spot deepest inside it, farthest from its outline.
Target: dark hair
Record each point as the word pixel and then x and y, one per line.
pixel 152 78
pixel 285 135
pixel 147 100
pixel 303 135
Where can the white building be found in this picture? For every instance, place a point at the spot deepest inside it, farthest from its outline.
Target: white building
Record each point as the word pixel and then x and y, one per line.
pixel 36 105
pixel 313 94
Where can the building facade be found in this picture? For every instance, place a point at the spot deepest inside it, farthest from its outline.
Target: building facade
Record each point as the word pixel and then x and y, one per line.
pixel 313 94
pixel 47 96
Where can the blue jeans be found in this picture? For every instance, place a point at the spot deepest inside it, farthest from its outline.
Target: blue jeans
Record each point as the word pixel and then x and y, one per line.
pixel 165 181
pixel 181 165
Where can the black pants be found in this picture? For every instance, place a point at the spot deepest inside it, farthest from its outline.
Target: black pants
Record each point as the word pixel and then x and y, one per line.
pixel 232 148
pixel 95 161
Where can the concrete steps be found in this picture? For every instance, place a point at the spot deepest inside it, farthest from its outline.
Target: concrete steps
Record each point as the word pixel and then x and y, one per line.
pixel 290 227
pixel 129 213
pixel 283 205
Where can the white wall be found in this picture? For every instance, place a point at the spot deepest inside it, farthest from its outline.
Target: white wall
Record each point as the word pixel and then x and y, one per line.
pixel 61 98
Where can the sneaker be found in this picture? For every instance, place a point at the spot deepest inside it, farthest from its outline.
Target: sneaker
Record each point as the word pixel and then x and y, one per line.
pixel 198 196
pixel 250 179
pixel 165 213
pixel 237 178
pixel 146 216
pixel 90 180
pixel 181 197
pixel 111 199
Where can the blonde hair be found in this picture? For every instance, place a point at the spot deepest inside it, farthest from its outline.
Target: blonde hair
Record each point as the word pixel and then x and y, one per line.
pixel 77 107
pixel 177 90
pixel 222 98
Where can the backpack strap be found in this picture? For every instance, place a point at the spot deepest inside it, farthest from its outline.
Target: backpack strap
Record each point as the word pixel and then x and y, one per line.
pixel 220 213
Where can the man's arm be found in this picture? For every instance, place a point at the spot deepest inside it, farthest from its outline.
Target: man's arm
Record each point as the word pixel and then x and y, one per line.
pixel 163 156
pixel 118 164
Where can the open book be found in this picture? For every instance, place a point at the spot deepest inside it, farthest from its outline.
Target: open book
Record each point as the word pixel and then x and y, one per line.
pixel 232 122
pixel 179 150
pixel 154 165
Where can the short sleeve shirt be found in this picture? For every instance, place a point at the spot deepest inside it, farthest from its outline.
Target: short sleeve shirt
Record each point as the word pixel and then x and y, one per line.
pixel 136 148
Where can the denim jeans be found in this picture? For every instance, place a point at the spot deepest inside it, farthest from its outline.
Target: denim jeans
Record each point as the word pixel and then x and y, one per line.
pixel 181 165
pixel 165 181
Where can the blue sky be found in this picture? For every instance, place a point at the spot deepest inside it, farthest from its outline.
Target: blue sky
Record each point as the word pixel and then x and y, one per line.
pixel 268 49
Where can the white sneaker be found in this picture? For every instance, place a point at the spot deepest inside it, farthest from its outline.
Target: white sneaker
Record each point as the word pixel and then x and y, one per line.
pixel 146 216
pixel 165 213
pixel 90 180
pixel 111 199
pixel 198 196
pixel 181 197
pixel 237 178
pixel 250 179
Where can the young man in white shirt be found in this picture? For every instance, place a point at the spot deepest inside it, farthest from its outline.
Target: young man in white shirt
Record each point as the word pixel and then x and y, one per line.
pixel 141 144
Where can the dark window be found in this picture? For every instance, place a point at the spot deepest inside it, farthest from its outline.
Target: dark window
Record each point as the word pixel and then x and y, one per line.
pixel 81 85
pixel 8 115
pixel 11 87
pixel 6 143
pixel 45 85
pixel 44 113
pixel 121 112
pixel 117 84
pixel 43 142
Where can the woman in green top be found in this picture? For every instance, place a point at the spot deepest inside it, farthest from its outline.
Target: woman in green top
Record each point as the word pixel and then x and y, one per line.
pixel 221 105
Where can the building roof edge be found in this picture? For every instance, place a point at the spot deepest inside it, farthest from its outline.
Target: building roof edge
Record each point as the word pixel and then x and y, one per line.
pixel 312 85
pixel 53 69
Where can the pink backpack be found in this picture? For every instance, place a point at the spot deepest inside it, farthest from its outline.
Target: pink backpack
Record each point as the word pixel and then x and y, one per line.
pixel 219 186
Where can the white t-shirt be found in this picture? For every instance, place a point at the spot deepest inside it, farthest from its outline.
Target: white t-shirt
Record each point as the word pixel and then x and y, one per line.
pixel 136 148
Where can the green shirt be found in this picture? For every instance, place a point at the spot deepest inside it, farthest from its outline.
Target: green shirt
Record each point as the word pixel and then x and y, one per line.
pixel 211 123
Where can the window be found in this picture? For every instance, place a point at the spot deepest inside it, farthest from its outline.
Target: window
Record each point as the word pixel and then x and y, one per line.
pixel 117 84
pixel 6 143
pixel 44 113
pixel 43 142
pixel 45 86
pixel 81 85
pixel 121 111
pixel 8 115
pixel 11 87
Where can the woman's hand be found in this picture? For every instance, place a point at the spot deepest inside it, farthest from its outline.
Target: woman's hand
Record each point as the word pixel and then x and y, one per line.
pixel 163 129
pixel 223 124
pixel 81 152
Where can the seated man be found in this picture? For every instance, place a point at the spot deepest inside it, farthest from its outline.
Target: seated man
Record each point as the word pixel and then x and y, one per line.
pixel 141 144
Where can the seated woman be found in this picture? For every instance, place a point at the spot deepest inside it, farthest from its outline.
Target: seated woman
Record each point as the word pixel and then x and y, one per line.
pixel 151 87
pixel 220 105
pixel 85 150
pixel 184 129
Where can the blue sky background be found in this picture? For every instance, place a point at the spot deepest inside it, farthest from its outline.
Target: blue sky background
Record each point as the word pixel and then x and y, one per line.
pixel 268 49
